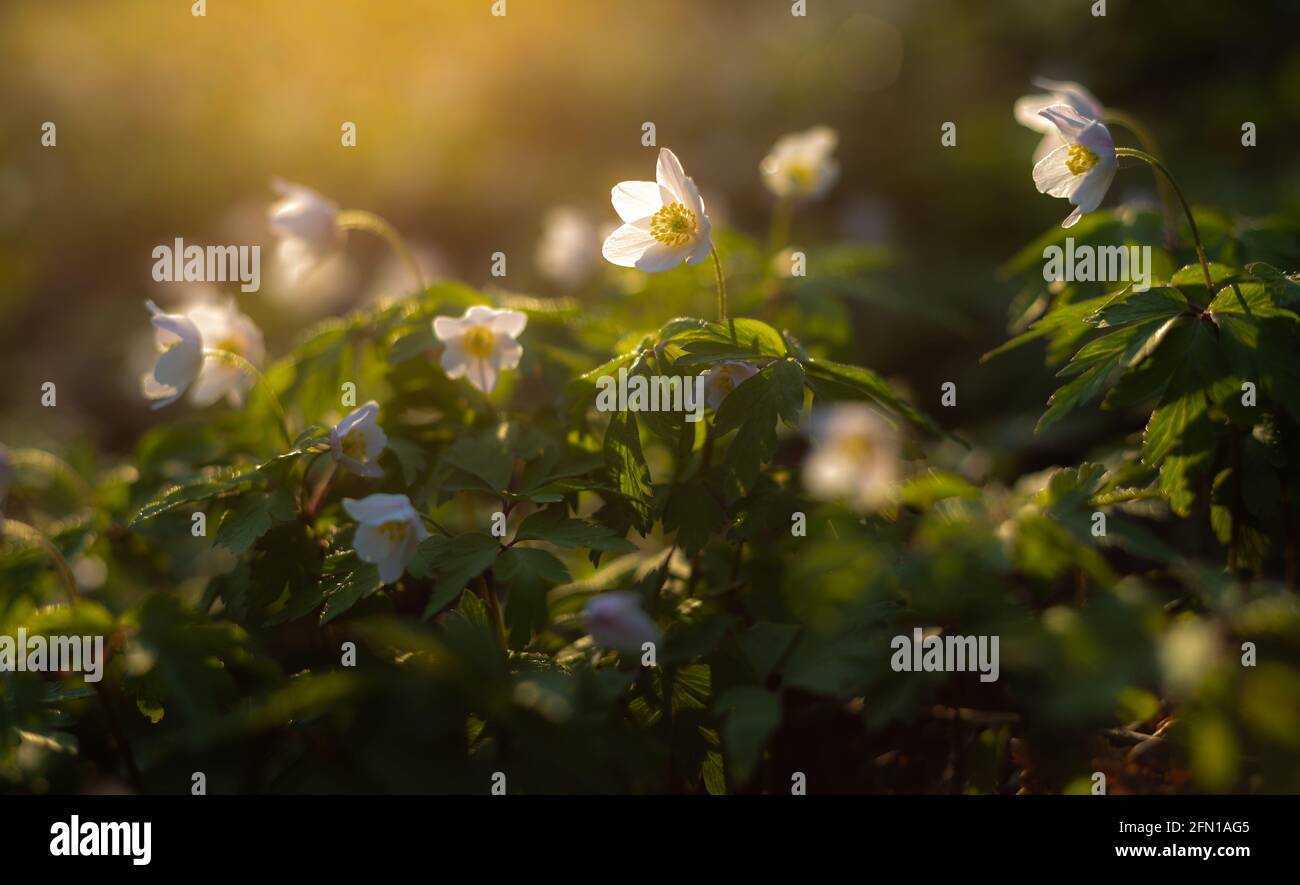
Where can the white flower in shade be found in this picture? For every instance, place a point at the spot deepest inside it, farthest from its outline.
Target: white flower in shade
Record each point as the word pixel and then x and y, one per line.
pixel 1055 92
pixel 480 344
pixel 800 165
pixel 664 223
pixel 389 530
pixel 181 345
pixel 569 248
pixel 615 620
pixel 1082 168
pixel 854 456
pixel 306 224
pixel 721 379
pixel 357 440
pixel 223 327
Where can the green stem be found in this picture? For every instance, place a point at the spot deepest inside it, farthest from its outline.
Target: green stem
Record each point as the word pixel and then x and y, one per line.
pixel 234 359
pixel 1148 143
pixel 781 219
pixel 360 219
pixel 722 286
pixel 37 537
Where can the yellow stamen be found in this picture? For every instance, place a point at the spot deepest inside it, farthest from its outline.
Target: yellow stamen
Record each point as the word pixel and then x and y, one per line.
pixel 479 342
pixel 354 444
pixel 394 531
pixel 673 225
pixel 1081 159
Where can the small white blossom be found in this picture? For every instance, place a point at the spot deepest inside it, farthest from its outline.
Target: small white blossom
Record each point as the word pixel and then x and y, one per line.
pixel 388 531
pixel 721 379
pixel 480 344
pixel 1056 92
pixel 357 440
pixel 306 224
pixel 664 223
pixel 855 456
pixel 222 327
pixel 615 620
pixel 569 248
pixel 181 346
pixel 1082 168
pixel 800 165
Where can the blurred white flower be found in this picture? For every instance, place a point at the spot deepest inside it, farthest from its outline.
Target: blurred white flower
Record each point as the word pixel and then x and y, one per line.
pixel 389 530
pixel 181 344
pixel 223 327
pixel 615 620
pixel 664 223
pixel 480 344
pixel 1082 168
pixel 306 224
pixel 721 379
pixel 800 165
pixel 1188 652
pixel 855 456
pixel 569 248
pixel 1028 108
pixel 357 440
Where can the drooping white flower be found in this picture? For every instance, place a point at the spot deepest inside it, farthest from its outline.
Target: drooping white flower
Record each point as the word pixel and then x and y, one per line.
pixel 480 344
pixel 357 440
pixel 721 379
pixel 388 532
pixel 800 165
pixel 181 345
pixel 223 327
pixel 664 223
pixel 1082 168
pixel 569 248
pixel 306 223
pixel 1056 92
pixel 615 620
pixel 854 456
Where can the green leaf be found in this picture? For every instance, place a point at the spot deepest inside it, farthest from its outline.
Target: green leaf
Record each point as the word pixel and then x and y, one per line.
pixel 627 468
pixel 552 525
pixel 527 572
pixel 484 456
pixel 455 561
pixel 251 518
pixel 737 339
pixel 214 482
pixel 1096 362
pixel 841 381
pixel 752 409
pixel 1130 307
pixel 752 715
pixel 694 513
pixel 350 589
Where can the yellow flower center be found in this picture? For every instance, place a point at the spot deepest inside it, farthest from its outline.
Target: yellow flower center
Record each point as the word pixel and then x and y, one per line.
pixel 1080 159
pixel 673 225
pixel 394 530
pixel 855 447
pixel 354 444
pixel 802 175
pixel 479 342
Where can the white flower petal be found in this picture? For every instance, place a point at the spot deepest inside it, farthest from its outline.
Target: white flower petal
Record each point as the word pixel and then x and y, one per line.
pixel 482 373
pixel 628 243
pixel 634 200
pixel 380 508
pixel 670 175
pixel 1053 177
pixel 447 328
pixel 509 322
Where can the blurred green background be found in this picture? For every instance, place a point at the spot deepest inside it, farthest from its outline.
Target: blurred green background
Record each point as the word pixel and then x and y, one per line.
pixel 471 127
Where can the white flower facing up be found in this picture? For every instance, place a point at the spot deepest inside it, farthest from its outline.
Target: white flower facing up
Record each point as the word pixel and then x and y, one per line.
pixel 664 223
pixel 721 379
pixel 800 165
pixel 854 457
pixel 569 248
pixel 1082 168
pixel 480 344
pixel 181 346
pixel 615 620
pixel 306 224
pixel 357 440
pixel 1056 92
pixel 223 327
pixel 388 531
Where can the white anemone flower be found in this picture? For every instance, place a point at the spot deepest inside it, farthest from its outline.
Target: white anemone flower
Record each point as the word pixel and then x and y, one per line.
pixel 1056 92
pixel 721 379
pixel 480 344
pixel 615 620
pixel 181 345
pixel 569 248
pixel 855 457
pixel 306 223
pixel 800 165
pixel 1082 168
pixel 223 327
pixel 664 223
pixel 389 530
pixel 357 440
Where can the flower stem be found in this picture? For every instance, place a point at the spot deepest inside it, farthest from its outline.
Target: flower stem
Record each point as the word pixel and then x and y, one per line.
pixel 234 359
pixel 1191 221
pixel 781 218
pixel 1148 143
pixel 360 219
pixel 722 286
